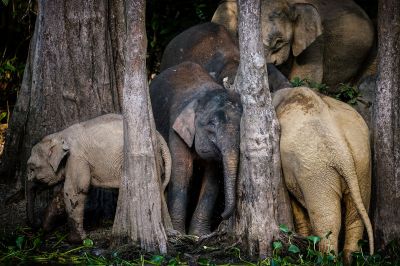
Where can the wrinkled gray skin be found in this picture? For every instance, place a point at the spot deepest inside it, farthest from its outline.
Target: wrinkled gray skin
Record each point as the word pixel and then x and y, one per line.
pixel 211 46
pixel 364 106
pixel 201 121
pixel 323 40
pixel 85 154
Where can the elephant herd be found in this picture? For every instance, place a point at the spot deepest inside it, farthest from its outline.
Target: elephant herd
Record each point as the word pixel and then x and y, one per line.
pixel 324 145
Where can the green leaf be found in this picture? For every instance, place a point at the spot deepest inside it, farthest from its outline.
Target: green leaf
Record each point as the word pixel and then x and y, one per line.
pixel 3 115
pixel 88 242
pixel 277 244
pixel 5 2
pixel 173 262
pixel 293 249
pixel 284 228
pixel 157 259
pixel 314 239
pixel 36 242
pixel 20 241
pixel 203 262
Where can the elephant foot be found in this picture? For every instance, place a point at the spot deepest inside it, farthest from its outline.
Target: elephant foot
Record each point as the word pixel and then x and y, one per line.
pixel 75 238
pixel 179 226
pixel 347 256
pixel 76 233
pixel 199 229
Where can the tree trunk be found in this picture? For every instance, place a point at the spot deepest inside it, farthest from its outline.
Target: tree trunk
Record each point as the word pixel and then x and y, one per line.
pixel 261 194
pixel 387 125
pixel 138 214
pixel 70 76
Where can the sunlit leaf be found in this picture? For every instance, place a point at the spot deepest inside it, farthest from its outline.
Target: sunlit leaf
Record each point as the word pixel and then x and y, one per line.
pixel 88 243
pixel 293 249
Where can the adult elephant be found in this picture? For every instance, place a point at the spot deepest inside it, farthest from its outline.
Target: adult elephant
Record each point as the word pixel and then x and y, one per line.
pixel 200 120
pixel 211 46
pixel 322 40
pixel 326 161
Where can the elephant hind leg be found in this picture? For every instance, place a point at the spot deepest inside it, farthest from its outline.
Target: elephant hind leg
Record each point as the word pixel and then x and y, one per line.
pixel 324 207
pixel 301 219
pixel 354 228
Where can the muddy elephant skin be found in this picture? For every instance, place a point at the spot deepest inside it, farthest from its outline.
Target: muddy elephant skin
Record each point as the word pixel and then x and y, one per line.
pixel 86 154
pixel 326 160
pixel 200 120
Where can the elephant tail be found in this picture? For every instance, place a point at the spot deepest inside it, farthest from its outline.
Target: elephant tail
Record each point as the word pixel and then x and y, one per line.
pixel 347 170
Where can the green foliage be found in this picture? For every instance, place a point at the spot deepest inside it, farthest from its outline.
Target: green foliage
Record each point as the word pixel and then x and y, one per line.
pixel 348 94
pixel 24 246
pixel 320 87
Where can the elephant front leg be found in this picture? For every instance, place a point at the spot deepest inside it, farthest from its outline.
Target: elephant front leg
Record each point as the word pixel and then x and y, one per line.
pixel 182 170
pixel 200 224
pixel 76 186
pixel 54 211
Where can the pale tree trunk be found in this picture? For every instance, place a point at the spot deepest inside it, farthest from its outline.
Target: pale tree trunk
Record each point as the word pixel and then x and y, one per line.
pixel 262 202
pixel 70 76
pixel 387 125
pixel 138 216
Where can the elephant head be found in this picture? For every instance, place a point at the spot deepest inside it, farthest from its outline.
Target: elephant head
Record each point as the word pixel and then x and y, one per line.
pixel 45 160
pixel 212 123
pixel 288 26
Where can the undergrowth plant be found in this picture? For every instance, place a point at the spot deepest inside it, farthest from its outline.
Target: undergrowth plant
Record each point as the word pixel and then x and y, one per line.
pixel 26 247
pixel 346 93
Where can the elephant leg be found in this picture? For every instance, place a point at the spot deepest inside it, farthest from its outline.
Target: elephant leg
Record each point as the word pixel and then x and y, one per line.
pixel 54 211
pixel 354 228
pixel 200 224
pixel 181 172
pixel 301 219
pixel 323 206
pixel 76 187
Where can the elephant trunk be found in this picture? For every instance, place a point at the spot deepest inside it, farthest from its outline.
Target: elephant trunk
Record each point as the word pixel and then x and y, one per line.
pixel 30 190
pixel 230 162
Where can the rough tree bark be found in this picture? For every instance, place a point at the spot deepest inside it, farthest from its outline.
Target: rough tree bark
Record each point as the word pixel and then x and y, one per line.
pixel 70 76
pixel 387 125
pixel 138 214
pixel 262 202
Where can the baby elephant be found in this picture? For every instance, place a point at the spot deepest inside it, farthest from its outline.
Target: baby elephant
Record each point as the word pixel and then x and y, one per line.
pixel 326 160
pixel 84 154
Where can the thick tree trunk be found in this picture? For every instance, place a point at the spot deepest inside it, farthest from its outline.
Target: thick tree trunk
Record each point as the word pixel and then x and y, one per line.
pixel 387 125
pixel 138 214
pixel 261 195
pixel 70 76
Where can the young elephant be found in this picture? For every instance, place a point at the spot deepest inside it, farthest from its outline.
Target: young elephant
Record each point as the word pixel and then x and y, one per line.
pixel 326 157
pixel 84 154
pixel 201 121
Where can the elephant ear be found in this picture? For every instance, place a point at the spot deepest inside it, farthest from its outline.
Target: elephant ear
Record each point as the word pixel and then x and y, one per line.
pixel 58 150
pixel 184 123
pixel 307 27
pixel 227 16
